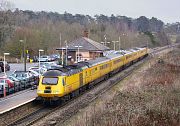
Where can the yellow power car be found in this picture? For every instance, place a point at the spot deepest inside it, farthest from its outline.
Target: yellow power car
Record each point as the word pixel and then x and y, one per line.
pixel 68 81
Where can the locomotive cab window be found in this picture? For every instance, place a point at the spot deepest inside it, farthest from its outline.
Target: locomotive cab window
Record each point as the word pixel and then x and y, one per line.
pixel 50 80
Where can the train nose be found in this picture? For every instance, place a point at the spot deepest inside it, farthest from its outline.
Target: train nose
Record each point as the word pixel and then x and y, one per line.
pixel 49 93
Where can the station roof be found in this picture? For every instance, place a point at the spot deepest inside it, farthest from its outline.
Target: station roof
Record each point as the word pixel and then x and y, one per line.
pixel 86 44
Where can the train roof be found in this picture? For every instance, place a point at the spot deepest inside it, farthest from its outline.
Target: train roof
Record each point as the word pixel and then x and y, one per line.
pixel 112 52
pixel 97 61
pixel 114 56
pixel 70 69
pixel 125 52
pixel 75 68
pixel 53 73
pixel 133 50
pixel 138 48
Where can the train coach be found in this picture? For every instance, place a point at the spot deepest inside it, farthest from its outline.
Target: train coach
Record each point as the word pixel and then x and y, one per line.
pixel 69 81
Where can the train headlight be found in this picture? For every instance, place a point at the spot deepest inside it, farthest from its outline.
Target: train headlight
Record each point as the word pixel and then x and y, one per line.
pixel 39 91
pixel 56 92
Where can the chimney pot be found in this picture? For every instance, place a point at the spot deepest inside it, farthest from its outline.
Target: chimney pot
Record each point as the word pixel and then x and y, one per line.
pixel 86 34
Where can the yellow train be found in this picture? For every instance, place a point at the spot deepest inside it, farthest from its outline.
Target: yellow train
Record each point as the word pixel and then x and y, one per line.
pixel 68 81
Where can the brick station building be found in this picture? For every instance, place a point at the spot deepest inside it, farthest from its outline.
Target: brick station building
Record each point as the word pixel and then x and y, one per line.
pixel 88 49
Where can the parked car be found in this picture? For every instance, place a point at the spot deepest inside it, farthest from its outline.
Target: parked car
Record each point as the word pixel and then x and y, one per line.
pixel 36 68
pixel 44 58
pixel 8 82
pixel 9 85
pixel 54 57
pixel 7 67
pixel 17 83
pixel 55 67
pixel 36 80
pixel 35 58
pixel 47 65
pixel 21 75
pixel 35 73
pixel 26 78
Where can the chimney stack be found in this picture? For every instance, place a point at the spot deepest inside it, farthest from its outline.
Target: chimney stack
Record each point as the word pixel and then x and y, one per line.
pixel 86 34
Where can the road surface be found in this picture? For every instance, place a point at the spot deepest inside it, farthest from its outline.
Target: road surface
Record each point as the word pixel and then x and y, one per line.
pixel 19 67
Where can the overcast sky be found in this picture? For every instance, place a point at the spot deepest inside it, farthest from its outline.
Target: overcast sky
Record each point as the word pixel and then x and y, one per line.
pixel 166 10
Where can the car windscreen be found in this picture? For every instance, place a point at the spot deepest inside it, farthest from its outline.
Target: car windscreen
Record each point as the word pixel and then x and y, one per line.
pixel 44 57
pixel 19 75
pixel 50 80
pixel 11 78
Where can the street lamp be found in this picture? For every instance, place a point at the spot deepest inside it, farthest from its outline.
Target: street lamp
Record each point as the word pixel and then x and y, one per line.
pixel 123 40
pixel 5 54
pixel 4 86
pixel 119 42
pixel 40 50
pixel 24 42
pixel 62 57
pixel 66 51
pixel 115 44
pixel 77 56
pixel 105 39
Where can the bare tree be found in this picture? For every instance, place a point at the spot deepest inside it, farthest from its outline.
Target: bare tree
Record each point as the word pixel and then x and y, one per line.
pixel 6 5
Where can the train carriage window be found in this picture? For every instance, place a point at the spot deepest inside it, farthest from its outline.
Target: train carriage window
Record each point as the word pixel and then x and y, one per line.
pixel 117 61
pixel 128 57
pixel 142 52
pixel 92 71
pixel 101 67
pixel 104 66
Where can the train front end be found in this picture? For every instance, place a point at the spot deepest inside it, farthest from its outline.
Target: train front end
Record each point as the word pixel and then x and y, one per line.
pixel 51 86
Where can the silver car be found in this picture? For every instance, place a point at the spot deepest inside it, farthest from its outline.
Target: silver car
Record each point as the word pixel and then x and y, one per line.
pixel 44 58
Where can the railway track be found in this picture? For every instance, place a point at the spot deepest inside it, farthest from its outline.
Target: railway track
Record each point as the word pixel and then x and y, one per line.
pixel 72 106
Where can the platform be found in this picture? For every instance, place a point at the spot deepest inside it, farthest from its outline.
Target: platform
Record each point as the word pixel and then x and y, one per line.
pixel 15 100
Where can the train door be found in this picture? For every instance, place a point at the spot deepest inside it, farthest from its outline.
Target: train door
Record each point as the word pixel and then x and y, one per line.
pixel 81 79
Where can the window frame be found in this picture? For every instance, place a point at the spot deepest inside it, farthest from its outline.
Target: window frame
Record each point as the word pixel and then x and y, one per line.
pixel 50 83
